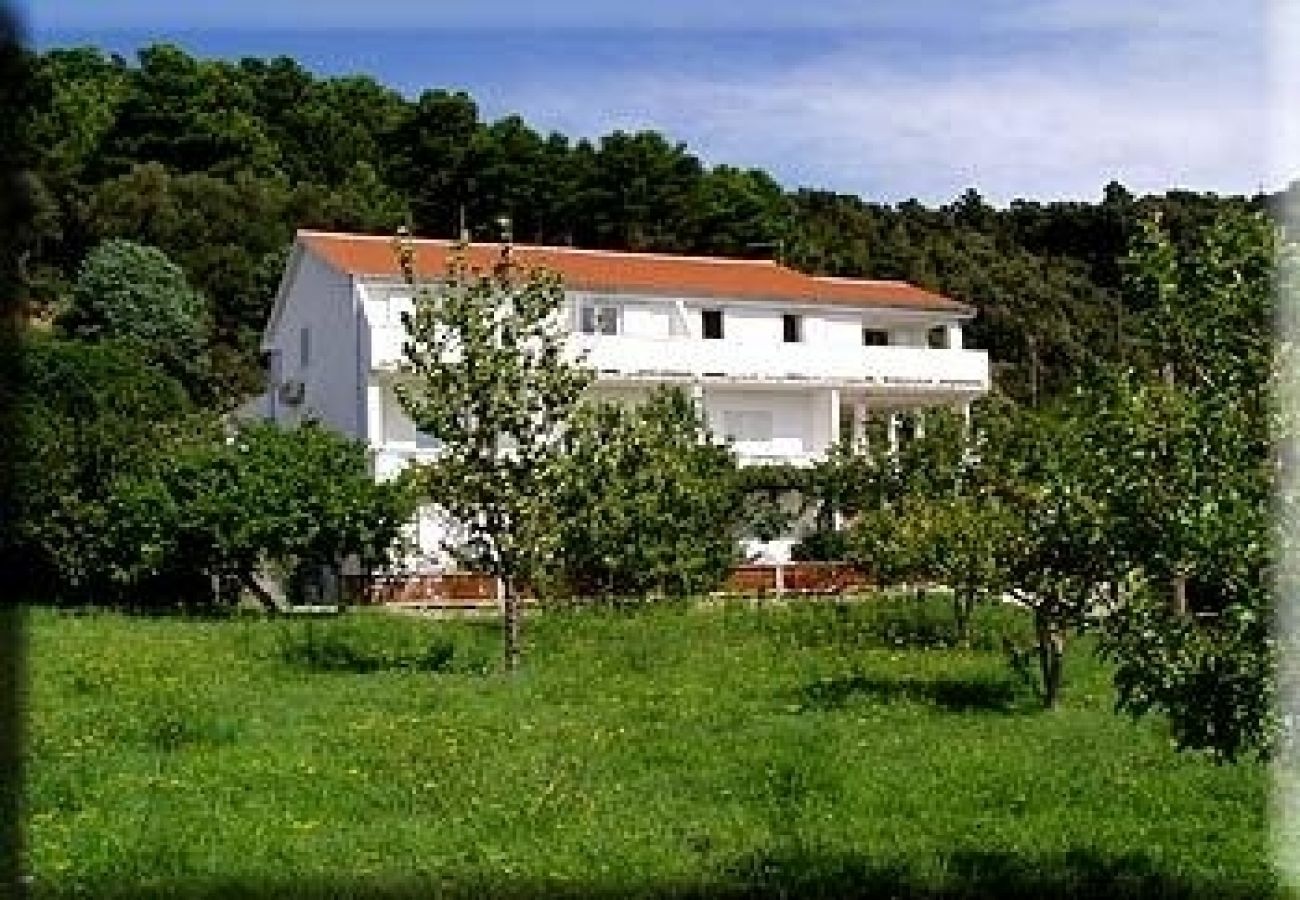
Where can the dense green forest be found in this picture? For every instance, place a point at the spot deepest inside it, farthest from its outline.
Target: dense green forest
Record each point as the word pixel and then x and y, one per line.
pixel 217 162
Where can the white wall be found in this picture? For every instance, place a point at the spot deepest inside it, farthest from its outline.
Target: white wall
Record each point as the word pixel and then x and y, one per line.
pixel 320 300
pixel 796 414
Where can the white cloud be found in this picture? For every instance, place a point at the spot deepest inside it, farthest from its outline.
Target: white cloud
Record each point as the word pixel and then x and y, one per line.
pixel 1045 99
pixel 1044 123
pixel 1284 92
pixel 398 14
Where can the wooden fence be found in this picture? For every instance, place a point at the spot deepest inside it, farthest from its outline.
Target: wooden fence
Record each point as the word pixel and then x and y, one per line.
pixel 474 589
pixel 795 578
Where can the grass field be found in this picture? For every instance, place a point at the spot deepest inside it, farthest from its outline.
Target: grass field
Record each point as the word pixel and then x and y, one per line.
pixel 801 751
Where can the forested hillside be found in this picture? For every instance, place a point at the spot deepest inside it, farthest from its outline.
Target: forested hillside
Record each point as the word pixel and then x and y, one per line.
pixel 217 162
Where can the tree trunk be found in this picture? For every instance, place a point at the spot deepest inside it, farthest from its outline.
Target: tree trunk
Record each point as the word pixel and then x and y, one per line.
pixel 962 604
pixel 1178 595
pixel 510 623
pixel 1051 650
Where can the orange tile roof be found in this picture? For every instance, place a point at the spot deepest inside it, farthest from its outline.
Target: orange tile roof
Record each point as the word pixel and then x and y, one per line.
pixel 646 273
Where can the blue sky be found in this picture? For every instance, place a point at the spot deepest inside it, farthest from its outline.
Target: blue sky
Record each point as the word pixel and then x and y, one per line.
pixel 1043 99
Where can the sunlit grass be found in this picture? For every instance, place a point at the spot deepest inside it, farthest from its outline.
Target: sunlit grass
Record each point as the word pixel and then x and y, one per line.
pixel 807 750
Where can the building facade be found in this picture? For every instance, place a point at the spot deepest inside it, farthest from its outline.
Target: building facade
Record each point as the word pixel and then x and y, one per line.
pixel 781 363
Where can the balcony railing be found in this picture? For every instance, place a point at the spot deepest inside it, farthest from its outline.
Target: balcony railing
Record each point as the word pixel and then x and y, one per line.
pixel 617 357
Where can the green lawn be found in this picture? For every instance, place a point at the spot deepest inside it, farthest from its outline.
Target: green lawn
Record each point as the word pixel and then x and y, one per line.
pixel 801 751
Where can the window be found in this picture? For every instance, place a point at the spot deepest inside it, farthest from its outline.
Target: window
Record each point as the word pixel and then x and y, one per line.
pixel 792 328
pixel 711 324
pixel 937 338
pixel 875 337
pixel 747 425
pixel 304 348
pixel 598 318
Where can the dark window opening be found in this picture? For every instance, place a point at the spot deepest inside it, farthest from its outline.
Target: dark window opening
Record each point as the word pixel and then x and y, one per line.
pixel 599 319
pixel 793 328
pixel 875 337
pixel 711 321
pixel 937 338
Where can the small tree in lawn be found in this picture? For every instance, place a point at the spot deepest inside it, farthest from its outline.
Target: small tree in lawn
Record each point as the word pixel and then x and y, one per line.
pixel 965 550
pixel 890 542
pixel 488 377
pixel 649 504
pixel 1055 549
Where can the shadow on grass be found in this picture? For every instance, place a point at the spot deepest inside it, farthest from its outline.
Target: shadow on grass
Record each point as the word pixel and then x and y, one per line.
pixel 966 876
pixel 982 693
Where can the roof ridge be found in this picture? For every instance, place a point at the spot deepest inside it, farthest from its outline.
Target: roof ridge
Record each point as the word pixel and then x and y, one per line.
pixel 555 248
pixel 851 280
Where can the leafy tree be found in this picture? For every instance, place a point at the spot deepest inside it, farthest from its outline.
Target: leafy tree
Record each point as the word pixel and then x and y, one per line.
pixel 639 186
pixel 190 115
pixel 84 416
pixel 965 545
pixel 1187 464
pixel 891 542
pixel 1055 552
pixel 302 498
pixel 487 377
pixel 648 502
pixel 733 210
pixel 430 158
pixel 135 294
pixel 83 89
pixel 930 461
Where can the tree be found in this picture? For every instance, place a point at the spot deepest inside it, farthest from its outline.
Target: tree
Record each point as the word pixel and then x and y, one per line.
pixel 488 377
pixel 85 415
pixel 191 115
pixel 891 543
pixel 135 294
pixel 648 503
pixel 965 550
pixel 1187 463
pixel 430 154
pixel 302 498
pixel 1055 552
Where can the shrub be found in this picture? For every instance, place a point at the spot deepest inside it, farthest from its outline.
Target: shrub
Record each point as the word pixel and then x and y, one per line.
pixel 85 417
pixel 300 497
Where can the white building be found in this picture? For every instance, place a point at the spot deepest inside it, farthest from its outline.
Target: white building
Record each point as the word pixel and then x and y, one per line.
pixel 781 362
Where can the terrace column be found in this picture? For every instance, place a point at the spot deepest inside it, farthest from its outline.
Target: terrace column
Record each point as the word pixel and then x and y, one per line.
pixel 833 397
pixel 893 432
pixel 697 400
pixel 860 424
pixel 919 429
pixel 954 336
pixel 374 413
pixel 833 415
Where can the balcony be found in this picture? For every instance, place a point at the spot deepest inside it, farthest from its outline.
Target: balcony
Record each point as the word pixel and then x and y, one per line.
pixel 634 359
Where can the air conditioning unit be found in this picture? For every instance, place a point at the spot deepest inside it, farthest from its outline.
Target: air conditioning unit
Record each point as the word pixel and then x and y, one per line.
pixel 292 392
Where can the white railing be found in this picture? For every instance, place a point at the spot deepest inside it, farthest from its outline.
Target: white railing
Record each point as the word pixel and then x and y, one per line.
pixel 654 359
pixel 633 358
